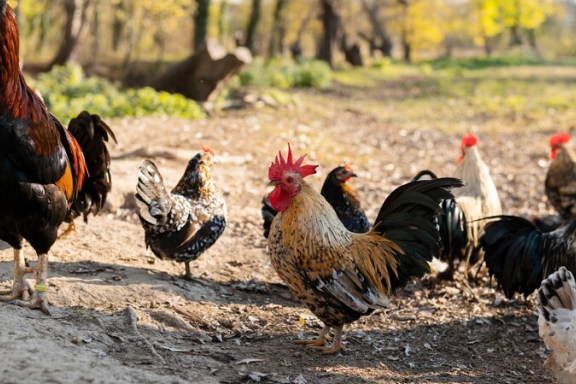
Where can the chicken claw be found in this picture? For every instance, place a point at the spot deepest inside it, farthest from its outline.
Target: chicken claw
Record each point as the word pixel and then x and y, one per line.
pixel 20 288
pixel 71 228
pixel 319 342
pixel 336 346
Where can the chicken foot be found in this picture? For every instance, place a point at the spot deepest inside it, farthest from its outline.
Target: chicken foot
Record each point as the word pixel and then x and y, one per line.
pixel 20 288
pixel 38 299
pixel 335 347
pixel 320 341
pixel 71 228
pixel 188 274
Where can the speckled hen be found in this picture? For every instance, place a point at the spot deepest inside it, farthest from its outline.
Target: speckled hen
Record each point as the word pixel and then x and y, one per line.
pixel 181 225
pixel 339 275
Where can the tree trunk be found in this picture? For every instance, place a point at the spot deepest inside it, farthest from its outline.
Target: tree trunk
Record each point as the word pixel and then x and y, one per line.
pixel 119 24
pixel 330 20
pixel 76 11
pixel 253 25
pixel 296 46
pixel 202 75
pixel 201 17
pixel 532 39
pixel 222 24
pixel 515 38
pixel 278 29
pixel 95 46
pixel 378 28
pixel 488 46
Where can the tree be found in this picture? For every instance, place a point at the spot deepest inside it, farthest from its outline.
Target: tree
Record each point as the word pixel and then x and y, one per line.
pixel 330 21
pixel 222 26
pixel 201 17
pixel 489 21
pixel 76 11
pixel 378 28
pixel 278 30
pixel 253 25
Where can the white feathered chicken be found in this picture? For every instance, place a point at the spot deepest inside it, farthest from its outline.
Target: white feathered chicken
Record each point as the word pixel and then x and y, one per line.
pixel 557 323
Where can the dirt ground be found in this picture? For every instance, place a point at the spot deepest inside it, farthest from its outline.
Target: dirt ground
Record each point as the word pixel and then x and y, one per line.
pixel 122 316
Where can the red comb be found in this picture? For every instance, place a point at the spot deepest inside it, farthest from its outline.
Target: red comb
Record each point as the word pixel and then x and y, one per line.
pixel 281 165
pixel 348 167
pixel 207 149
pixel 559 138
pixel 469 140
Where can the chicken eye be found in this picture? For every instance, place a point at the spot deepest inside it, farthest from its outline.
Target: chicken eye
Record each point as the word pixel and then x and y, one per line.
pixel 289 180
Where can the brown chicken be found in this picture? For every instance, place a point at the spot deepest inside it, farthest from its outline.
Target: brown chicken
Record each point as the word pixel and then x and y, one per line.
pixel 459 225
pixel 561 178
pixel 42 169
pixel 339 275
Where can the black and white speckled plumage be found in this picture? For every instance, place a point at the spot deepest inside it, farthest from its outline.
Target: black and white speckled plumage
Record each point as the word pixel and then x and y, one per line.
pixel 181 225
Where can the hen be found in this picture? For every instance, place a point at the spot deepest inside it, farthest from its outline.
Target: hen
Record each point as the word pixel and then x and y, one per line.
pixel 557 323
pixel 459 225
pixel 92 134
pixel 181 225
pixel 560 184
pixel 42 169
pixel 339 194
pixel 519 255
pixel 339 275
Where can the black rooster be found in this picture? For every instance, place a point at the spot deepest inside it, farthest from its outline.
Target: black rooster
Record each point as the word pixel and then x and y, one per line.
pixel 181 225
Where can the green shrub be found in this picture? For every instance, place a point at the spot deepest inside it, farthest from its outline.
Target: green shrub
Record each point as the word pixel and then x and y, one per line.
pixel 284 74
pixel 67 91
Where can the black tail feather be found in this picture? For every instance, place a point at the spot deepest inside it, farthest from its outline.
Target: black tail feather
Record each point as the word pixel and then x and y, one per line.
pixel 409 217
pixel 92 134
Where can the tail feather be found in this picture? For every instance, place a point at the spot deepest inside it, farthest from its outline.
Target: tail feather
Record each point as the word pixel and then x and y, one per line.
pixel 152 198
pixel 512 252
pixel 408 218
pixel 92 134
pixel 268 215
pixel 424 175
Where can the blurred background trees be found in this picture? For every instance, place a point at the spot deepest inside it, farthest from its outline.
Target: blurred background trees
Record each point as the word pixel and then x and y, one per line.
pixel 117 33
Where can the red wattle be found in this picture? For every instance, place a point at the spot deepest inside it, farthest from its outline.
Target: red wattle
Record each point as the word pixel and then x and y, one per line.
pixel 460 159
pixel 279 199
pixel 553 154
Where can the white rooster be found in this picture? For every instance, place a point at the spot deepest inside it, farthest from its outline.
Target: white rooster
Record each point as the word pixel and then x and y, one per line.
pixel 557 323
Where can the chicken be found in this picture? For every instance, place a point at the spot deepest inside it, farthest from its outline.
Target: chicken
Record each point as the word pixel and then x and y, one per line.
pixel 92 134
pixel 557 324
pixel 459 225
pixel 548 223
pixel 42 171
pixel 339 194
pixel 560 184
pixel 181 225
pixel 339 275
pixel 520 256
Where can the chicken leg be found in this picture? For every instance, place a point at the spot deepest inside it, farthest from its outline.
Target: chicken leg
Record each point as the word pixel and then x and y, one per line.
pixel 38 299
pixel 335 347
pixel 20 288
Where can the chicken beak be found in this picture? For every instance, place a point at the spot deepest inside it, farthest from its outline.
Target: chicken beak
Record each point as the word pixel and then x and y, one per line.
pixel 353 175
pixel 273 183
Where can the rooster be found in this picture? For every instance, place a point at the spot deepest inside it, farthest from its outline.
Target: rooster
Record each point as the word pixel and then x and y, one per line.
pixel 557 323
pixel 42 170
pixel 560 184
pixel 459 225
pixel 339 194
pixel 339 275
pixel 519 255
pixel 181 225
pixel 92 134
